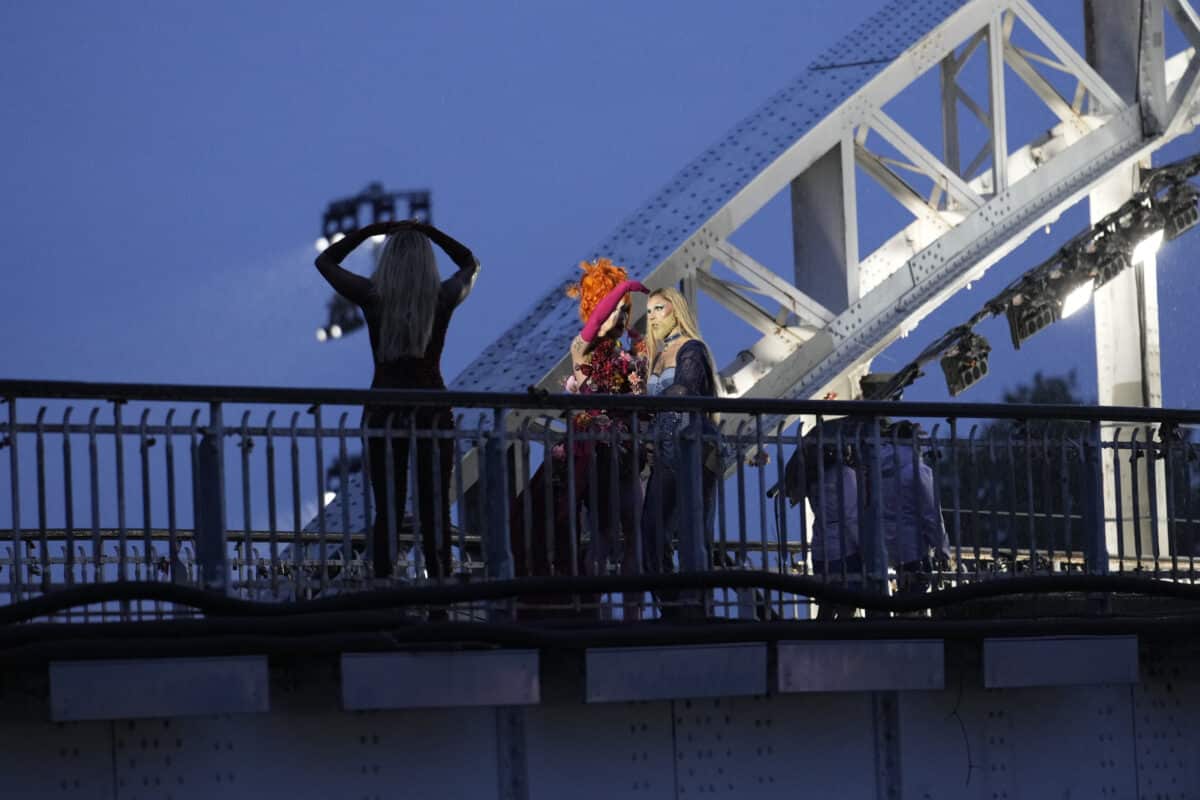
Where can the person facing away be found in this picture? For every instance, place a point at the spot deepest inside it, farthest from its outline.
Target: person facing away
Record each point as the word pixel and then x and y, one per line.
pixel 407 307
pixel 830 484
pixel 680 366
pixel 914 533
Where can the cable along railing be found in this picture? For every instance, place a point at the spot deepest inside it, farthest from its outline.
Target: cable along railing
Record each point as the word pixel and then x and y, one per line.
pixel 671 507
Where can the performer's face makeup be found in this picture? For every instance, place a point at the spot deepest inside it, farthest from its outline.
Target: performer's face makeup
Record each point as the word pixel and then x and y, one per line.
pixel 660 314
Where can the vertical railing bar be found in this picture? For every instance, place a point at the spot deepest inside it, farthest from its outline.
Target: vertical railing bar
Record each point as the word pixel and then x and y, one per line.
pixel 344 497
pixel 936 511
pixel 436 436
pixel 1029 507
pixel 389 505
pixel 1064 491
pixel 1191 509
pixel 1047 516
pixel 527 499
pixel 551 543
pixel 43 538
pixel 272 512
pixel 822 510
pixel 421 559
pixel 720 554
pixel 572 506
pixel 879 543
pixel 15 493
pixel 802 485
pixel 973 492
pixel 174 553
pixel 618 537
pixel 460 491
pixel 1118 495
pixel 781 515
pixel 956 491
pixel 322 527
pixel 1152 498
pixel 1168 439
pixel 1135 500
pixel 68 504
pixel 119 448
pixel 637 550
pixel 145 442
pixel 297 540
pixel 247 574
pixel 593 501
pixel 994 498
pixel 1013 523
pixel 743 544
pixel 94 484
pixel 368 497
pixel 760 467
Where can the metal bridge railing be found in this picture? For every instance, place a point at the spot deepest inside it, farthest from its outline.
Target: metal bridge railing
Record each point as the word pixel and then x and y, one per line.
pixel 675 507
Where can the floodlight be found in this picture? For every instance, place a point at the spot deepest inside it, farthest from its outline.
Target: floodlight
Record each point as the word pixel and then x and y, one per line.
pixel 1147 247
pixel 966 364
pixel 335 331
pixel 322 335
pixel 1076 299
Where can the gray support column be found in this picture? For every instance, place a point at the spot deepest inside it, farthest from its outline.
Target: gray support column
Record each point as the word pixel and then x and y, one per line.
pixel 1126 309
pixel 825 229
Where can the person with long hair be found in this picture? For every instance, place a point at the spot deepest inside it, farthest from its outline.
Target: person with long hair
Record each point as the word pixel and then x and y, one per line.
pixel 680 365
pixel 407 307
pixel 604 476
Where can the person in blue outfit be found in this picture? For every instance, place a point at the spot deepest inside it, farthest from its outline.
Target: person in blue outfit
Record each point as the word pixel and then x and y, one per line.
pixel 680 365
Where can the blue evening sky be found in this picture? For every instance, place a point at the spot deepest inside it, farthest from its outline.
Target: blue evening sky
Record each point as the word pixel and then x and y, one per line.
pixel 166 165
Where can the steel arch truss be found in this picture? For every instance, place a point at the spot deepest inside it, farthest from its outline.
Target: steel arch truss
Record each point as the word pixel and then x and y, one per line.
pixel 830 123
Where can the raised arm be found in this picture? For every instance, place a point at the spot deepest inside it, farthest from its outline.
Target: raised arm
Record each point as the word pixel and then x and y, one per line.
pixel 354 288
pixel 458 285
pixel 607 306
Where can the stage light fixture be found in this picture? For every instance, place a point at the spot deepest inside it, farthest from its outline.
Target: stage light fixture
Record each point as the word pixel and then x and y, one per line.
pixel 966 363
pixel 1179 208
pixel 321 335
pixel 1028 315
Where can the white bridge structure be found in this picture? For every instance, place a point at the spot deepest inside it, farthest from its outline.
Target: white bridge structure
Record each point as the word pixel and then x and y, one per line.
pixel 1015 710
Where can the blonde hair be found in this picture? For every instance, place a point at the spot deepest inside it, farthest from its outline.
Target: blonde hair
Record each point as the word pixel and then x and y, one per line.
pixel 685 318
pixel 408 283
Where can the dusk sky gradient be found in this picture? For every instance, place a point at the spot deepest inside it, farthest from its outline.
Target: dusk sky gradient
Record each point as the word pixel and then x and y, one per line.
pixel 167 163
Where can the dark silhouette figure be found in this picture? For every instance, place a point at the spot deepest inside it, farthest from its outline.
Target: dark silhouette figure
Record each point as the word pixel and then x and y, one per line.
pixel 407 308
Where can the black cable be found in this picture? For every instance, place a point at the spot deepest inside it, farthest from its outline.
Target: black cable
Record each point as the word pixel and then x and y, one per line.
pixel 52 644
pixel 219 605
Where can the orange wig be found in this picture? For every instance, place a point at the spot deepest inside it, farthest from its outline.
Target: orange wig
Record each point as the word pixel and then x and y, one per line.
pixel 599 278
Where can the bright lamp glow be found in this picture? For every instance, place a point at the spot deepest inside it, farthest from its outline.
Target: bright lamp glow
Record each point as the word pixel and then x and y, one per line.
pixel 335 331
pixel 322 243
pixel 321 335
pixel 1077 299
pixel 337 237
pixel 329 497
pixel 1147 247
pixel 378 238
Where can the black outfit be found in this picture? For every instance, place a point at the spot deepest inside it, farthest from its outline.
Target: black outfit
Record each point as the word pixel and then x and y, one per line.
pixel 661 512
pixel 422 372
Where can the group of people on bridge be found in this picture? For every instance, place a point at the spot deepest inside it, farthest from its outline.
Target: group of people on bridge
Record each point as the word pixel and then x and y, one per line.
pixel 614 480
